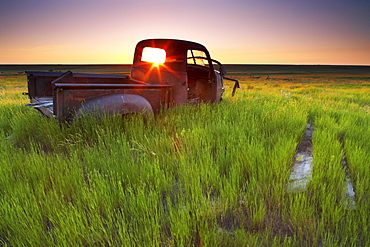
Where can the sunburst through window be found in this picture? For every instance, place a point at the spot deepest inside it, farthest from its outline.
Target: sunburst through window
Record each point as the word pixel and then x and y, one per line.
pixel 153 55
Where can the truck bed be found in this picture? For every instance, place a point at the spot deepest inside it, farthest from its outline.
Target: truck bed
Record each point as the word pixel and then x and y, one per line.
pixel 55 94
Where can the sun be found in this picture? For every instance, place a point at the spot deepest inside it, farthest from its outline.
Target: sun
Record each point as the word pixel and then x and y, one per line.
pixel 153 55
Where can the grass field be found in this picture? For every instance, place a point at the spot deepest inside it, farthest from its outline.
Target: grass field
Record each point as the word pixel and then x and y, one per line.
pixel 205 175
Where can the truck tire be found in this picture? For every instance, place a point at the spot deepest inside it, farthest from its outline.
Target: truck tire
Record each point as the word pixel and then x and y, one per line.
pixel 111 104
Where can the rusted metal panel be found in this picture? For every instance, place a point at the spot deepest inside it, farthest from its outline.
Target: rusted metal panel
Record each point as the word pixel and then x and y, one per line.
pixel 67 95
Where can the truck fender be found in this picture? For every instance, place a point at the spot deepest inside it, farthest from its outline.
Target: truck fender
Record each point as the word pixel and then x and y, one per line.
pixel 114 104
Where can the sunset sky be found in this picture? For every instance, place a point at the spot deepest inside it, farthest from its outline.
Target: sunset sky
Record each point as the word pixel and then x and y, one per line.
pixel 234 31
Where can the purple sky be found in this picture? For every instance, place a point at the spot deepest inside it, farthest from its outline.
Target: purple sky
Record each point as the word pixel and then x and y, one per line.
pixel 237 31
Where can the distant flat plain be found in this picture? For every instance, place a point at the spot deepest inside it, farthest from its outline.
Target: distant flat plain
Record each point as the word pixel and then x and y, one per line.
pixel 254 69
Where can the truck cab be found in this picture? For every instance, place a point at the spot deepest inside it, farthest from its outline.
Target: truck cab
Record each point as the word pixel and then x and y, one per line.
pixel 186 66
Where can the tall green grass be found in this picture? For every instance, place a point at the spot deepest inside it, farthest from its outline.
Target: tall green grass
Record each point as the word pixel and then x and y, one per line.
pixel 205 175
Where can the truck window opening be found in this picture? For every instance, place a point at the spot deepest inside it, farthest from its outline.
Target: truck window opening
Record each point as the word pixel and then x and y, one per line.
pixel 153 55
pixel 197 57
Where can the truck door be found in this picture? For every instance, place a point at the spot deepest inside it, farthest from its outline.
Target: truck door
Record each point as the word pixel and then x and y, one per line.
pixel 202 79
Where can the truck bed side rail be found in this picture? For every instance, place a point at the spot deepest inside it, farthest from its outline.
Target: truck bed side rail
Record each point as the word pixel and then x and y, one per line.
pixel 40 82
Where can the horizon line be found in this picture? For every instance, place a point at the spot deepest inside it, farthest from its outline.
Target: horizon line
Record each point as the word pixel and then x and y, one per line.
pixel 130 64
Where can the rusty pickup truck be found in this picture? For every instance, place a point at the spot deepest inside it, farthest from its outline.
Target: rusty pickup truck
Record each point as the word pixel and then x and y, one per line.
pixel 164 73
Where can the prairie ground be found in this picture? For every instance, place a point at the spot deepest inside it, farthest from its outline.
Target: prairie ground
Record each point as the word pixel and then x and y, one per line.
pixel 205 175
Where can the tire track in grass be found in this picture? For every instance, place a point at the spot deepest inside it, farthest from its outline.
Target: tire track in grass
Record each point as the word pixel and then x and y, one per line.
pixel 350 196
pixel 301 172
